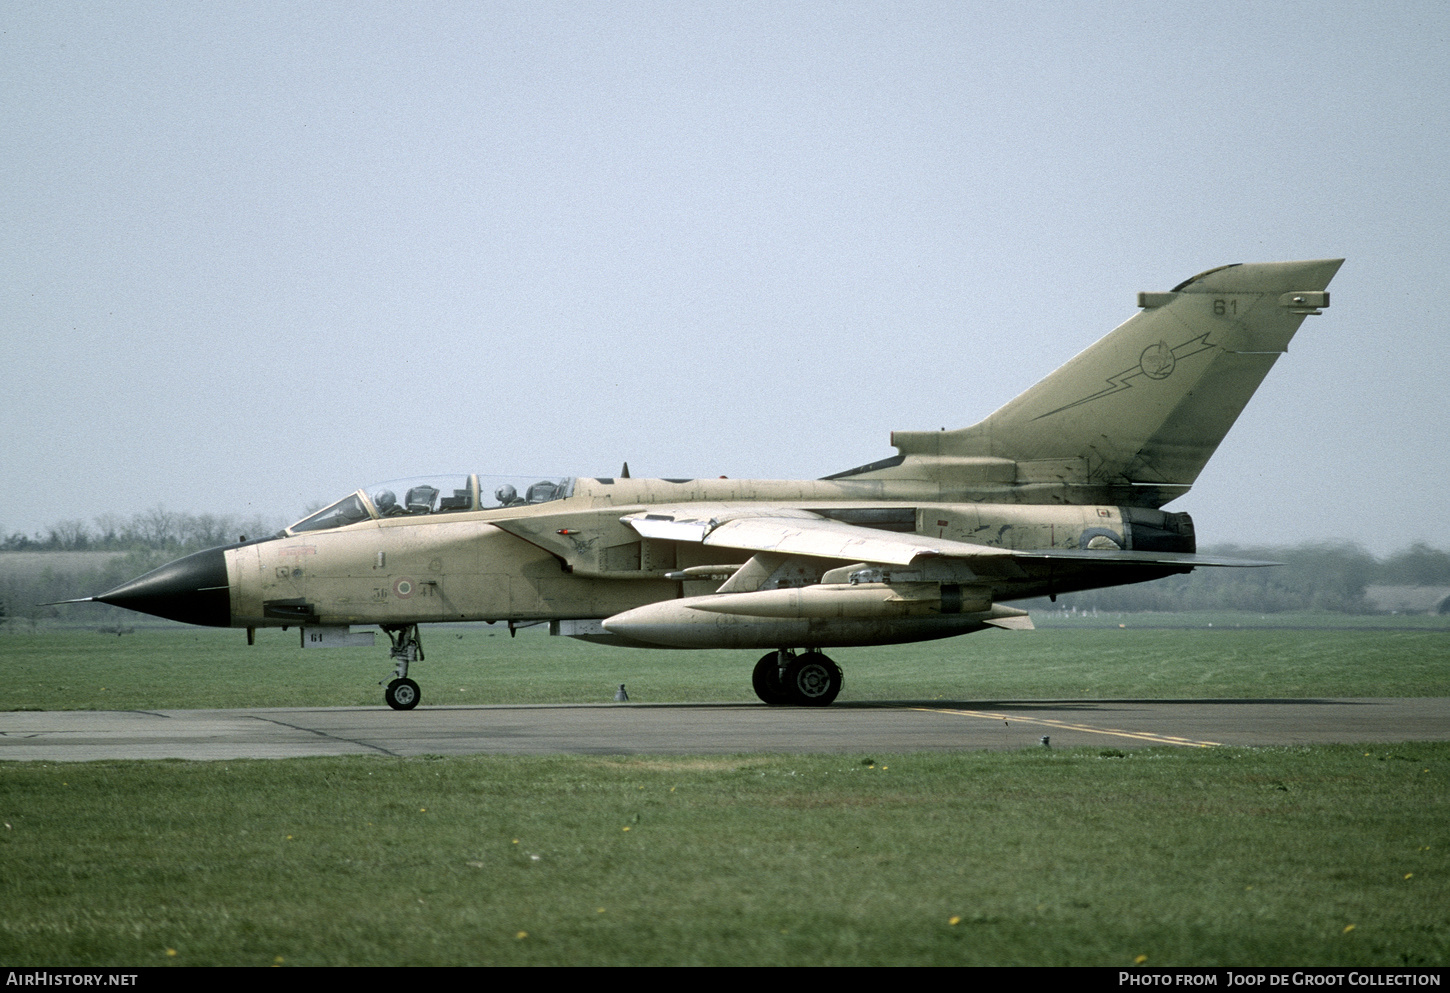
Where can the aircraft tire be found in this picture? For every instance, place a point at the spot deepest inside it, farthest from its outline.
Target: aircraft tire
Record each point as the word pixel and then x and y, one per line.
pixel 402 694
pixel 766 680
pixel 812 680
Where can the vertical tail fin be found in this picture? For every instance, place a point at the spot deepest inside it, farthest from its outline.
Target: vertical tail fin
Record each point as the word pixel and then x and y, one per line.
pixel 1144 408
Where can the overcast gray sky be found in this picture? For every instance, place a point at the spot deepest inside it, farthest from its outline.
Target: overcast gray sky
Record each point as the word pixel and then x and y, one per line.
pixel 257 255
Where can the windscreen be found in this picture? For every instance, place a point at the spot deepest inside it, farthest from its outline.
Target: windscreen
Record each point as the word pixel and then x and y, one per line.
pixel 348 510
pixel 420 496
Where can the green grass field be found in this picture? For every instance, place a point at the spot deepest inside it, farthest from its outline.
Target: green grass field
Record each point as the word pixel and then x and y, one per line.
pixel 1083 857
pixel 1330 855
pixel 186 667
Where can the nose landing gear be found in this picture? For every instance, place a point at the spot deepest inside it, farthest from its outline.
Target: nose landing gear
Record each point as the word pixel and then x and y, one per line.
pixel 401 692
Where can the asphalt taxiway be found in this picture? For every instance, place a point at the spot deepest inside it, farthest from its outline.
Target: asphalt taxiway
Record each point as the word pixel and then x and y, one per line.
pixel 705 728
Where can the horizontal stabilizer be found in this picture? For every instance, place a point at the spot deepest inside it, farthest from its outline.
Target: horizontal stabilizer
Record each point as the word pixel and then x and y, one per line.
pixel 1189 559
pixel 1017 622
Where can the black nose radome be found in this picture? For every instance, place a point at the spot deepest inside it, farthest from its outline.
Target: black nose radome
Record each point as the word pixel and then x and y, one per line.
pixel 191 589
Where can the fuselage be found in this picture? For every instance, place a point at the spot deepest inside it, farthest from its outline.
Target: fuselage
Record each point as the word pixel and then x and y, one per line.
pixel 572 557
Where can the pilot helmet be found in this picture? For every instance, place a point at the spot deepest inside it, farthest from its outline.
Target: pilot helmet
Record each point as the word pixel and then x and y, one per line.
pixel 506 494
pixel 385 500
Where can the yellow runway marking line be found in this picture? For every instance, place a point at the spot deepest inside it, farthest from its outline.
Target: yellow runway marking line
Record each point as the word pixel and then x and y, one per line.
pixel 1161 739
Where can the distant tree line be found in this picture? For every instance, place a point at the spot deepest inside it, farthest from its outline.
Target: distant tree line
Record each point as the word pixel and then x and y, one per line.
pixel 1311 578
pixel 158 529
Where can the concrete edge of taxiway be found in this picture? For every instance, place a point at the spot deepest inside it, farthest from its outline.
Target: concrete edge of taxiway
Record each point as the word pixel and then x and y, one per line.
pixel 714 728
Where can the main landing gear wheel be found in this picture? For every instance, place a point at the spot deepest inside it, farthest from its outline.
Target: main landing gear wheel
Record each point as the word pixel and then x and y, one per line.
pixel 766 678
pixel 807 680
pixel 812 680
pixel 402 694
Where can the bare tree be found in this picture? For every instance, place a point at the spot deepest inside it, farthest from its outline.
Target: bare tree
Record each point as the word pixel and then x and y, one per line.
pixel 157 527
pixel 69 535
pixel 109 527
pixel 207 530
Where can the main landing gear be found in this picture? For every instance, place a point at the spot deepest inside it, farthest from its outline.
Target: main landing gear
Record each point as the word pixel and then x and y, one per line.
pixel 402 693
pixel 806 680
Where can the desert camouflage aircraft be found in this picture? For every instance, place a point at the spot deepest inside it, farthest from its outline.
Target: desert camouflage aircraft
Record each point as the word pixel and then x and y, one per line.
pixel 1059 490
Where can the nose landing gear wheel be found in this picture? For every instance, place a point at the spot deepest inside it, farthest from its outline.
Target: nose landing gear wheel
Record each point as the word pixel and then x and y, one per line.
pixel 402 694
pixel 812 680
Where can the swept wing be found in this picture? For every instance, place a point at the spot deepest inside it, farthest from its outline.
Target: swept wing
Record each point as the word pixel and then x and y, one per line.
pixel 799 532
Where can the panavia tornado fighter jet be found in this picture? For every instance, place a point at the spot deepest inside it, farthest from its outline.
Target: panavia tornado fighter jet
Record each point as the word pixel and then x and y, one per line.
pixel 1062 489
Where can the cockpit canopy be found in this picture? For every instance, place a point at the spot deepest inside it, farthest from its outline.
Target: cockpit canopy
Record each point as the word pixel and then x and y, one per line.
pixel 422 495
